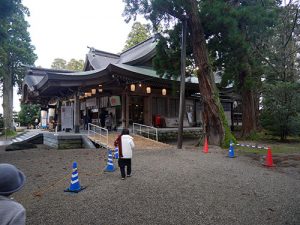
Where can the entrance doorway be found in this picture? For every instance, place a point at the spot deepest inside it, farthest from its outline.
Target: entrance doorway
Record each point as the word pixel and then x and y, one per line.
pixel 136 110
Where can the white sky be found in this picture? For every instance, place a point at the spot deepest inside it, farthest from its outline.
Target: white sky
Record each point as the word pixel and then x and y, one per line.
pixel 64 29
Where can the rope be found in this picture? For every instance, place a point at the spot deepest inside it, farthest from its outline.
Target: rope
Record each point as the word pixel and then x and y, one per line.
pixel 251 146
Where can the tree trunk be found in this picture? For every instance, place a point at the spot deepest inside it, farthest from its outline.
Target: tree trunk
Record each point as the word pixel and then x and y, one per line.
pixel 249 102
pixel 213 125
pixel 8 101
pixel 248 113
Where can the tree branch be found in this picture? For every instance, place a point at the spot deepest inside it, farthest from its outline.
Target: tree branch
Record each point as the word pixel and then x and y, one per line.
pixel 255 48
pixel 293 28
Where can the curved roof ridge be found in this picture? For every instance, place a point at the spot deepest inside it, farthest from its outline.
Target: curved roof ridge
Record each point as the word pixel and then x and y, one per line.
pixel 103 53
pixel 139 44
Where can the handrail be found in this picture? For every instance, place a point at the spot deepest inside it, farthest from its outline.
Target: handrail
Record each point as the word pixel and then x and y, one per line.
pixel 98 131
pixel 147 128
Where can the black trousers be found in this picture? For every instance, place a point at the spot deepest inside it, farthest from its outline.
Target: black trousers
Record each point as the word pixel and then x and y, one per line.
pixel 122 163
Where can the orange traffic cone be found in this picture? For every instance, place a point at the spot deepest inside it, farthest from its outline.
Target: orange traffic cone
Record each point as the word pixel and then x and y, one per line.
pixel 269 158
pixel 205 147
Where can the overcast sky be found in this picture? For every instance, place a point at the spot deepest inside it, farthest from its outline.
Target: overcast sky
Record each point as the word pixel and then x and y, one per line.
pixel 64 29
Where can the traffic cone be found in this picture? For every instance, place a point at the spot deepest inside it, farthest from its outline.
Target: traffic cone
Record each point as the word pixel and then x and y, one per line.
pixel 110 165
pixel 116 154
pixel 269 158
pixel 205 147
pixel 231 150
pixel 74 186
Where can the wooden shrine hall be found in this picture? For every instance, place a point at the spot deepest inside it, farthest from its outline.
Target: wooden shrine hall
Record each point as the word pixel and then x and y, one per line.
pixel 123 85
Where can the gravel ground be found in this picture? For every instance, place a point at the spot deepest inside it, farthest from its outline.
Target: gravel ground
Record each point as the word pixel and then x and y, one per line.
pixel 167 187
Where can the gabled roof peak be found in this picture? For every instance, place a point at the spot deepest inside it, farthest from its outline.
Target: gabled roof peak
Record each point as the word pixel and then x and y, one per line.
pixel 147 41
pixel 102 53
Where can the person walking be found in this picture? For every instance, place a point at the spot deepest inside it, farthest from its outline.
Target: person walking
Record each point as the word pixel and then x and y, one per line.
pixel 125 145
pixel 11 181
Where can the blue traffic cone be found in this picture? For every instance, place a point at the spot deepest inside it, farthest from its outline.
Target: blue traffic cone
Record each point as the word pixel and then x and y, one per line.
pixel 75 185
pixel 231 150
pixel 110 165
pixel 116 154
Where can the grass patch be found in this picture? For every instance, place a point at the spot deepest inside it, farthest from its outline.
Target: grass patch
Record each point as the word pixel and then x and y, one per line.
pixel 279 148
pixel 9 133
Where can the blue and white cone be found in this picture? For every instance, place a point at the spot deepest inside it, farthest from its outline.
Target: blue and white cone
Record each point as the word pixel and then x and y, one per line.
pixel 116 155
pixel 110 165
pixel 75 185
pixel 231 150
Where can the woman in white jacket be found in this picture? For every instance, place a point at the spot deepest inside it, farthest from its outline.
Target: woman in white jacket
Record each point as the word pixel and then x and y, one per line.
pixel 125 145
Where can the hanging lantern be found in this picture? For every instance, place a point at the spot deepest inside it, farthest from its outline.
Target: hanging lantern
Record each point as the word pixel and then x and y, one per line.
pixel 163 91
pixel 100 90
pixel 148 90
pixel 89 94
pixel 140 85
pixel 86 94
pixel 132 87
pixel 93 91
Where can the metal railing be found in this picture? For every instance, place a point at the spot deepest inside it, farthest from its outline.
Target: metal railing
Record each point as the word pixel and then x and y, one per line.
pixel 98 133
pixel 143 129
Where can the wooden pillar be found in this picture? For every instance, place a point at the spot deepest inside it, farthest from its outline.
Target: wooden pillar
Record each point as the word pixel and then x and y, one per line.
pixel 59 116
pixel 127 110
pixel 76 113
pixel 148 110
pixel 168 106
pixel 123 119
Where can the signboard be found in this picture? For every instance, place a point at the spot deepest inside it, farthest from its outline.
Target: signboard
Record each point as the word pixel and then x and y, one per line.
pixel 114 100
pixel 66 117
pixel 174 122
pixel 91 102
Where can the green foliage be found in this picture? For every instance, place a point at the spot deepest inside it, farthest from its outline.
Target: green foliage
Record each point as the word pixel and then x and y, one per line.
pixel 73 64
pixel 16 49
pixel 281 96
pixel 139 33
pixel 7 8
pixel 10 133
pixel 233 34
pixel 281 109
pixel 28 114
pixel 59 64
pixel 76 65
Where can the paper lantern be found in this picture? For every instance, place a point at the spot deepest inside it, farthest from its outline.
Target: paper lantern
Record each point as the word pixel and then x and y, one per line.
pixel 93 91
pixel 132 87
pixel 163 91
pixel 148 90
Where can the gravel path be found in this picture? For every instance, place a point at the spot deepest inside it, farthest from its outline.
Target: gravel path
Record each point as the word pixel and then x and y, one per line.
pixel 167 187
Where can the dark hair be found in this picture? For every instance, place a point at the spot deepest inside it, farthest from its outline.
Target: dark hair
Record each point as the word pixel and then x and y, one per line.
pixel 125 131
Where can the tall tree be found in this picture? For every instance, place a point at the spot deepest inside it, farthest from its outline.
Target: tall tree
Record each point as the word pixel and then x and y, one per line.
pixel 232 38
pixel 7 8
pixel 73 64
pixel 281 96
pixel 76 65
pixel 139 33
pixel 28 114
pixel 158 10
pixel 59 63
pixel 15 50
